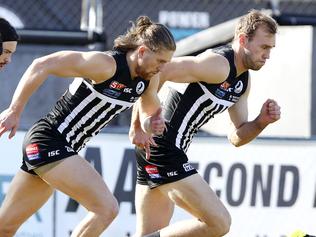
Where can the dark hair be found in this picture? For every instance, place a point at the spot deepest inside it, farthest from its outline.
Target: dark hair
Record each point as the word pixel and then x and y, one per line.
pixel 1 49
pixel 154 35
pixel 249 23
pixel 7 31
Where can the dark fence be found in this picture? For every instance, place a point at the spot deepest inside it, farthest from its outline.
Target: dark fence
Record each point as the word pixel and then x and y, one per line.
pixel 47 26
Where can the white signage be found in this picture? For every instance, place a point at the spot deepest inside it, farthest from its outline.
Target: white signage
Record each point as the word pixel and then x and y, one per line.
pixel 40 224
pixel 269 186
pixel 185 19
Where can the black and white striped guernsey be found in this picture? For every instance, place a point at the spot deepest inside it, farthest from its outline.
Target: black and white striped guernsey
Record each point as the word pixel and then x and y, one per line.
pixel 86 108
pixel 186 112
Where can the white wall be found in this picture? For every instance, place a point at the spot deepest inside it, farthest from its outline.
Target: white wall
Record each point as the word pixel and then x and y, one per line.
pixel 41 224
pixel 258 209
pixel 286 77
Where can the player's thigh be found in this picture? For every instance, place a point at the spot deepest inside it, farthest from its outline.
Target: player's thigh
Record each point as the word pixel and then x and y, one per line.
pixel 195 195
pixel 26 194
pixel 75 177
pixel 153 209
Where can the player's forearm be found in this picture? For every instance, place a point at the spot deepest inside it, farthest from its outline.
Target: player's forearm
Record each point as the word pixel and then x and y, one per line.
pixel 135 121
pixel 34 76
pixel 246 132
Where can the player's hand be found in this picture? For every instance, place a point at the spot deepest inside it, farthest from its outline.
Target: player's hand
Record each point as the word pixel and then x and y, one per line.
pixel 9 121
pixel 270 112
pixel 141 139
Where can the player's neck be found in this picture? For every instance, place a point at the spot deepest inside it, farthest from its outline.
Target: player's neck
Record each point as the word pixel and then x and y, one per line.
pixel 240 67
pixel 131 58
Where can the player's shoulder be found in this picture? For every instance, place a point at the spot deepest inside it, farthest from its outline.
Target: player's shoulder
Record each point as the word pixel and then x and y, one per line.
pixel 210 55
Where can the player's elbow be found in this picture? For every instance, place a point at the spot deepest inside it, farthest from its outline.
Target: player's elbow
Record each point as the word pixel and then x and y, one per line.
pixel 39 66
pixel 235 144
pixel 235 140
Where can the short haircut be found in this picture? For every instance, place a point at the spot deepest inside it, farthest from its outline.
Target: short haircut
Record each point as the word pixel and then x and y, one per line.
pixel 249 23
pixel 7 31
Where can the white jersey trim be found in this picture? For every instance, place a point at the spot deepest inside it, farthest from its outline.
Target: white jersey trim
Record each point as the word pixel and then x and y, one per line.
pixel 73 87
pixel 214 98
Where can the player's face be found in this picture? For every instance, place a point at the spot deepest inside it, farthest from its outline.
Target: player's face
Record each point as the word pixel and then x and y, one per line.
pixel 257 50
pixel 150 63
pixel 9 48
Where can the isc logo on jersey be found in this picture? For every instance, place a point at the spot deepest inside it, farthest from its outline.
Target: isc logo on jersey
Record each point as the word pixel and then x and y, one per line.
pixel 127 90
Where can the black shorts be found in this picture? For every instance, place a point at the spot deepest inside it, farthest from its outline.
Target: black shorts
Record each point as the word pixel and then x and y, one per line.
pixel 167 164
pixel 42 145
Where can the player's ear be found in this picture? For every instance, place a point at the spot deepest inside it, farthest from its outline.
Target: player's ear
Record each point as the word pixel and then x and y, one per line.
pixel 243 39
pixel 141 50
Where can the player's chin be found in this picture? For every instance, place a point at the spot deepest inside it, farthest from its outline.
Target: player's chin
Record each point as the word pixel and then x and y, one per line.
pixel 149 76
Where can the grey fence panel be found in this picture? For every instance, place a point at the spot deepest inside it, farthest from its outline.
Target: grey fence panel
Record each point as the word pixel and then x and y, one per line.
pixel 181 16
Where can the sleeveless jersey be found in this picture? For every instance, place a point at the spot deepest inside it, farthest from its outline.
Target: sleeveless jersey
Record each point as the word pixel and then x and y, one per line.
pixel 186 113
pixel 86 108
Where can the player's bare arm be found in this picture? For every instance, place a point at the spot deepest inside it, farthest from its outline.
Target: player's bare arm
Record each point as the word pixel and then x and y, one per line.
pixel 244 131
pixel 208 67
pixel 150 109
pixel 96 66
pixel 93 65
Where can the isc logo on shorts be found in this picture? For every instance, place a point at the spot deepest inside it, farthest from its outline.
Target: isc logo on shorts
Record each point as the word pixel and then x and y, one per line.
pixel 188 167
pixel 53 153
pixel 32 152
pixel 172 173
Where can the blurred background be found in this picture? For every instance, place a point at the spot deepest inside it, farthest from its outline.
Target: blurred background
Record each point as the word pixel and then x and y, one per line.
pixel 46 26
pixel 270 180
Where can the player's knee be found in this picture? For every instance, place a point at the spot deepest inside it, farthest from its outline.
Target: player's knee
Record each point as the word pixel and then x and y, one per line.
pixel 113 210
pixel 223 226
pixel 219 225
pixel 223 223
pixel 109 210
pixel 217 229
pixel 9 223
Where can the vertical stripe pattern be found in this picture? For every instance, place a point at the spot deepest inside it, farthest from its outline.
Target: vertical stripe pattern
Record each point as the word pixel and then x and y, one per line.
pixel 89 115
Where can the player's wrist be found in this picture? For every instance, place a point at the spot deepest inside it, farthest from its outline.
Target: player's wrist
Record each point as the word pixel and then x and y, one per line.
pixel 260 122
pixel 146 125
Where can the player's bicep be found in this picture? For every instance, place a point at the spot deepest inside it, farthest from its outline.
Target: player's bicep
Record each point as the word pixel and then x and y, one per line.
pixel 179 70
pixel 78 64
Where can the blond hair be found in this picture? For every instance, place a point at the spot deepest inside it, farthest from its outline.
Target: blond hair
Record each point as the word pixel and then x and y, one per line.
pixel 249 23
